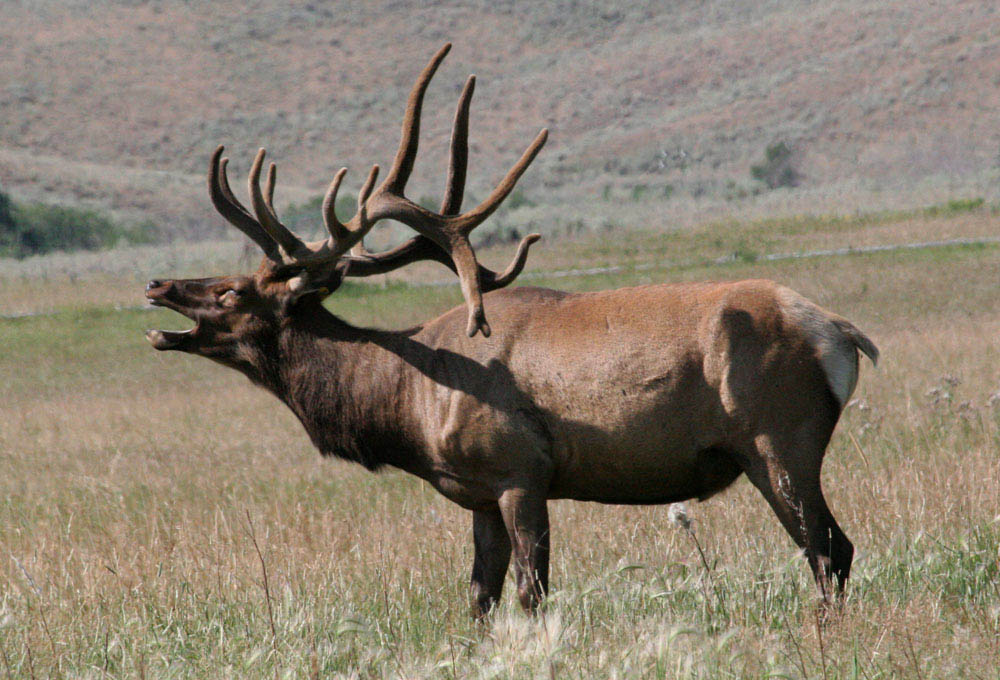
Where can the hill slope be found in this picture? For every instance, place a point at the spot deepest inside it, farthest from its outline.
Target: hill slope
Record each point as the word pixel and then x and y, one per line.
pixel 120 104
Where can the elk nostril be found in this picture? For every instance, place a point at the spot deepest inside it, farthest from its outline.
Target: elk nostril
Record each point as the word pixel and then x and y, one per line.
pixel 154 283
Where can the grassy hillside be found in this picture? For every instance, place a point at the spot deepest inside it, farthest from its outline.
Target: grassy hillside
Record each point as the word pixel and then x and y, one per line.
pixel 118 104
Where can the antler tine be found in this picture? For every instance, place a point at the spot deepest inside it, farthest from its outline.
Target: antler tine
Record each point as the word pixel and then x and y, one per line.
pixel 459 158
pixel 470 220
pixel 337 230
pixel 272 176
pixel 288 241
pixel 362 223
pixel 402 164
pixel 468 278
pixel 366 190
pixel 225 202
pixel 492 281
pixel 226 189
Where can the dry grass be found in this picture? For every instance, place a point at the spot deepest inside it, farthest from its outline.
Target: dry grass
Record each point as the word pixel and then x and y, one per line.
pixel 125 547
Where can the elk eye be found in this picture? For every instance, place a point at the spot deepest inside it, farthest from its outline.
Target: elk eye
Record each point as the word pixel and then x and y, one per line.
pixel 229 298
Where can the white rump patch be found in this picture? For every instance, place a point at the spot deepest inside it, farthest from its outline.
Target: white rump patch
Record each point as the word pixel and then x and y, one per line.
pixel 836 353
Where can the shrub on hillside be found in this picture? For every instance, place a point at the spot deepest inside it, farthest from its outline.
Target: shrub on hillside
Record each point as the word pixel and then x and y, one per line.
pixel 6 218
pixel 955 206
pixel 777 169
pixel 37 228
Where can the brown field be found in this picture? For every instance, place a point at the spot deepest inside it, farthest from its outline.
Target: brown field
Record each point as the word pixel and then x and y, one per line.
pixel 130 480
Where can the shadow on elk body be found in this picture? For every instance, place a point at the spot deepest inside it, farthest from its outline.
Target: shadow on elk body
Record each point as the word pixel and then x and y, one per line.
pixel 641 395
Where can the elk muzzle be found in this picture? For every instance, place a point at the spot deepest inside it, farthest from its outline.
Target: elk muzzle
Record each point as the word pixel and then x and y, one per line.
pixel 172 295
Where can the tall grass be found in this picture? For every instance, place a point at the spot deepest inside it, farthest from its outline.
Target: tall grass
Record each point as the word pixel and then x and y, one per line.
pixel 143 494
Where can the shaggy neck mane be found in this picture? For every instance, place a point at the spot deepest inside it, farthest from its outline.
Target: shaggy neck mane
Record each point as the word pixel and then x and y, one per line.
pixel 347 387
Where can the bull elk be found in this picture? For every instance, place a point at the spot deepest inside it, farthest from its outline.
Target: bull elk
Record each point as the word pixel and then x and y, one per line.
pixel 644 395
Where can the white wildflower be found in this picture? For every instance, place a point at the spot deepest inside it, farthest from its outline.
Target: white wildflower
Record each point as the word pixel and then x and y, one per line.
pixel 678 516
pixel 860 404
pixel 937 395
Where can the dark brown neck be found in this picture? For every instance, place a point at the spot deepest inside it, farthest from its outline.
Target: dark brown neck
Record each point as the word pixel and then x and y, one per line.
pixel 348 387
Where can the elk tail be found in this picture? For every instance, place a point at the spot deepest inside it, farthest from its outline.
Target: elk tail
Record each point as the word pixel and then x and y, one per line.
pixel 860 340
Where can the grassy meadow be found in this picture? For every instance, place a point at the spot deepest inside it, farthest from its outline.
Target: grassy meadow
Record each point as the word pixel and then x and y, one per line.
pixel 137 487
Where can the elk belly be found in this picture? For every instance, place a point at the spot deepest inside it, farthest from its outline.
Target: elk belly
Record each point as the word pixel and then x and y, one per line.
pixel 668 452
pixel 644 477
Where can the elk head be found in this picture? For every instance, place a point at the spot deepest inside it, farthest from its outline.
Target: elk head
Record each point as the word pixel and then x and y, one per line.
pixel 295 275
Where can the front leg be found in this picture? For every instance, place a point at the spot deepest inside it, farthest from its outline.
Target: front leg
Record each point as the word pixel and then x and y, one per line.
pixel 492 555
pixel 526 516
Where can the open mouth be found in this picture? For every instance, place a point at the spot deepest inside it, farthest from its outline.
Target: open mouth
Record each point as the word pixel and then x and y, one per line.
pixel 161 340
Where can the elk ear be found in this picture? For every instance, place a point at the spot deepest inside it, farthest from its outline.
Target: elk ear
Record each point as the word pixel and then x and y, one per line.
pixel 319 284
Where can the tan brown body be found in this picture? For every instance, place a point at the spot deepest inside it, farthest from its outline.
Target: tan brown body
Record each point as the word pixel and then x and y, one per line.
pixel 642 395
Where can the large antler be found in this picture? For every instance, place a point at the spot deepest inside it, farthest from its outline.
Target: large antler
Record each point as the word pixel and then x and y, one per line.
pixel 449 231
pixel 444 236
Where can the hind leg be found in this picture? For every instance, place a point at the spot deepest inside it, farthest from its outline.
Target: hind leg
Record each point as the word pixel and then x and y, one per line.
pixel 492 556
pixel 526 517
pixel 788 476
